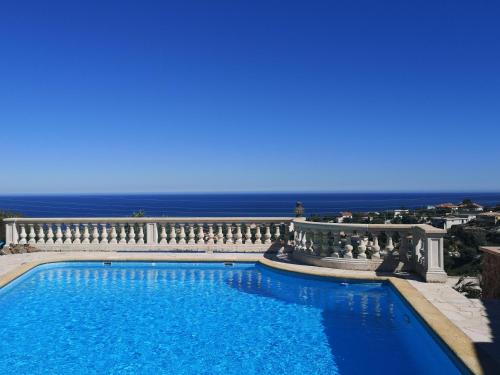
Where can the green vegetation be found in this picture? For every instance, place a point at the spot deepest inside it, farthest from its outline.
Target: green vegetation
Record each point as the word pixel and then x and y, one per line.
pixel 461 244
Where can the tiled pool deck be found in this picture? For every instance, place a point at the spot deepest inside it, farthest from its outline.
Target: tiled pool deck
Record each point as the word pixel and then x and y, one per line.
pixel 440 305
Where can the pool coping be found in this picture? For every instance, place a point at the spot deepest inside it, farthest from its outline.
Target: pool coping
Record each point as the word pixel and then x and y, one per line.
pixel 459 344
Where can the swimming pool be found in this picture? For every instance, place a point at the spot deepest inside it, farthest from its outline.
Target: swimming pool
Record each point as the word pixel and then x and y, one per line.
pixel 207 318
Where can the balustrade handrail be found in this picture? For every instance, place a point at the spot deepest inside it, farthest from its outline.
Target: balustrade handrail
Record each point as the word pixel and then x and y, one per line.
pixel 162 219
pixel 368 227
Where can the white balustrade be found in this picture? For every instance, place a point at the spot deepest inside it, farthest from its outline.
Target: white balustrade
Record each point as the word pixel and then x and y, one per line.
pixel 416 247
pixel 357 246
pixel 143 234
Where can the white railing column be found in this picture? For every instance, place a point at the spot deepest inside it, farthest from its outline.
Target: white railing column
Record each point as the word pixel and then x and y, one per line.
pixel 50 235
pixel 95 234
pixel 41 235
pixel 131 234
pixel 248 234
pixel 173 235
pixel 182 234
pixel 140 234
pixel 267 234
pixel 113 235
pixel 191 235
pixel 348 247
pixel 375 247
pixel 104 234
pixel 163 234
pixel 363 240
pixel 68 235
pixel 219 238
pixel 59 234
pixel 239 235
pixel 201 234
pixel 123 234
pixel 32 235
pixel 229 234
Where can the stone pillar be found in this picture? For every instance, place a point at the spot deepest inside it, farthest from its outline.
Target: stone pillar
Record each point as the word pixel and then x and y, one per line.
pixel 431 265
pixel 152 233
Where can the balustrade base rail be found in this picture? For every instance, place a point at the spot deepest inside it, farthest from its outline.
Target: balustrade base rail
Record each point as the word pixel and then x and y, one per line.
pixel 380 265
pixel 191 248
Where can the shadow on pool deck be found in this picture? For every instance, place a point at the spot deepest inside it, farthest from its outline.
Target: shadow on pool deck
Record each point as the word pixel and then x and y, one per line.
pixel 489 352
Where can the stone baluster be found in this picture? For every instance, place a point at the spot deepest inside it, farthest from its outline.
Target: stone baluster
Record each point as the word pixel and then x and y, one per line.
pixel 22 235
pixel 95 234
pixel 308 242
pixel 325 244
pixel 201 234
pixel 104 234
pixel 389 246
pixel 304 243
pixel 86 234
pixel 50 235
pixel 191 235
pixel 68 235
pixel 173 235
pixel 363 241
pixel 229 234
pixel 337 245
pixel 123 234
pixel 315 242
pixel 239 235
pixel 131 234
pixel 210 239
pixel 77 235
pixel 404 245
pixel 348 247
pixel 41 234
pixel 113 235
pixel 296 239
pixel 59 234
pixel 182 234
pixel 220 234
pixel 163 233
pixel 277 232
pixel 248 234
pixel 258 235
pixel 375 247
pixel 267 234
pixel 32 234
pixel 140 234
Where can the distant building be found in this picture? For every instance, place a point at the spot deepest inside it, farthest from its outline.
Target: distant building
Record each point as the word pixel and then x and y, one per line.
pixel 447 206
pixel 471 207
pixel 344 215
pixel 401 212
pixel 446 222
pixel 489 218
pixel 430 207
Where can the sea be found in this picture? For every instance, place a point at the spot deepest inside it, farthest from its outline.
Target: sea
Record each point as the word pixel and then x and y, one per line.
pixel 226 204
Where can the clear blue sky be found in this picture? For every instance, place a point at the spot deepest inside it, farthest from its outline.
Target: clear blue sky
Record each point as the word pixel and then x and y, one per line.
pixel 138 96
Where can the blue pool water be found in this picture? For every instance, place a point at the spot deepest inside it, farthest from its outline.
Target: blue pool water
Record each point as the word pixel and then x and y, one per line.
pixel 192 318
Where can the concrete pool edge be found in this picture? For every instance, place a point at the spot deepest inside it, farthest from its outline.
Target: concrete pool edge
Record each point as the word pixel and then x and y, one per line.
pixel 457 342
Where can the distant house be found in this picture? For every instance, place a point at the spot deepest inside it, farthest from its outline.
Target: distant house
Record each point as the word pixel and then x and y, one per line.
pixel 491 218
pixel 446 222
pixel 344 215
pixel 401 212
pixel 447 206
pixel 471 207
